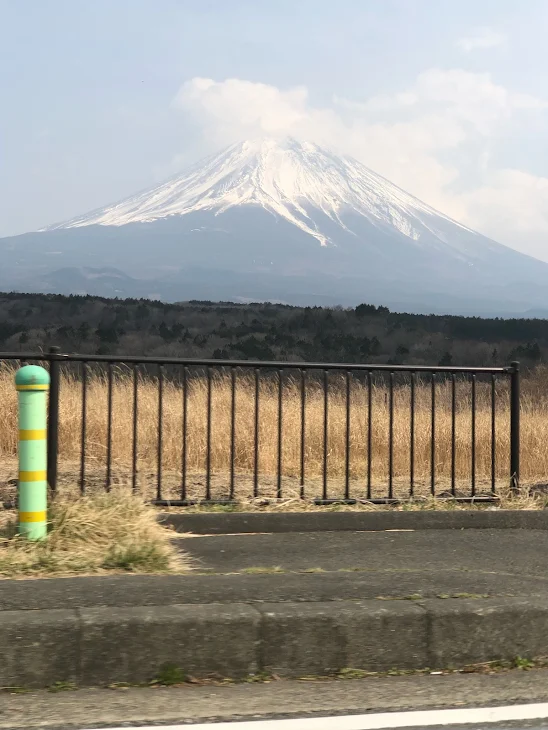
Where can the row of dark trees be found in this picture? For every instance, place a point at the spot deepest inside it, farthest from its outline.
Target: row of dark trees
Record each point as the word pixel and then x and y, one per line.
pixel 87 324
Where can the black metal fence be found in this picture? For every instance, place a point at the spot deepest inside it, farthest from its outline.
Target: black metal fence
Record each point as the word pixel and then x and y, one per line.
pixel 188 431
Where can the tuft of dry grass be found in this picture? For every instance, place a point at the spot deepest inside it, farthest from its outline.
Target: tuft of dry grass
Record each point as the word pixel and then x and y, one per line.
pixel 103 533
pixel 534 435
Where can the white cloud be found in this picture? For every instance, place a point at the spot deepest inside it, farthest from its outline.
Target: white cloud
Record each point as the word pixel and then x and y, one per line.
pixel 513 206
pixel 233 105
pixel 481 38
pixel 470 97
pixel 422 138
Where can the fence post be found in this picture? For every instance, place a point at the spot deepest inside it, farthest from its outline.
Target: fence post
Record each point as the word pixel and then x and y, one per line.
pixel 32 384
pixel 53 418
pixel 514 426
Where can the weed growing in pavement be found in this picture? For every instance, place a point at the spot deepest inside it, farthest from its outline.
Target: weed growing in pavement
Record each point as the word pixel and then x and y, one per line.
pixel 169 675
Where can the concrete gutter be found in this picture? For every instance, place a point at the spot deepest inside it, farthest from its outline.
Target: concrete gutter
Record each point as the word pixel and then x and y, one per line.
pixel 211 523
pixel 103 645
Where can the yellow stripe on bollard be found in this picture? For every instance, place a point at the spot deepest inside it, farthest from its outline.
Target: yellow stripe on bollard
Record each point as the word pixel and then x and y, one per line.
pixel 38 386
pixel 33 516
pixel 32 434
pixel 33 476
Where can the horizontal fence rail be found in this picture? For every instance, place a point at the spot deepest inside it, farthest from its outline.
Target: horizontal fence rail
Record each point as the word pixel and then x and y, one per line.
pixel 189 431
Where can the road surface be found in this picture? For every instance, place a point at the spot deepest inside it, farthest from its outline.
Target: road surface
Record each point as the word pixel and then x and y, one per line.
pixel 488 718
pixel 362 702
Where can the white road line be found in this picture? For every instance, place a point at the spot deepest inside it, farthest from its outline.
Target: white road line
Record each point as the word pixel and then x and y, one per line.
pixel 380 721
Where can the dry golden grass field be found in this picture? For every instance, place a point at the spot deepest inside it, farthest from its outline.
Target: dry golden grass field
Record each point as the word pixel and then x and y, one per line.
pixel 534 435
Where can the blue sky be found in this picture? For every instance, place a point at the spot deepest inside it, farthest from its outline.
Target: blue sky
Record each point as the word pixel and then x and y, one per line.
pixel 448 99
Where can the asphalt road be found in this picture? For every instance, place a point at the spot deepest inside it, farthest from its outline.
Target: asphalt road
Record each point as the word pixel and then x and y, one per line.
pixel 371 721
pixel 392 563
pixel 315 567
pixel 93 708
pixel 516 551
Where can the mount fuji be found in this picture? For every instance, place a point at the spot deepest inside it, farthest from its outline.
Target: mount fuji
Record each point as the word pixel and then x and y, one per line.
pixel 279 220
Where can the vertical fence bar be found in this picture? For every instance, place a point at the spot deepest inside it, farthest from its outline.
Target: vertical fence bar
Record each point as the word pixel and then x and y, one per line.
pixel 369 430
pixel 412 437
pixel 160 430
pixel 232 428
pixel 325 430
pixel 473 435
pixel 135 428
pixel 208 438
pixel 453 433
pixel 53 417
pixel 280 434
pixel 391 436
pixel 184 434
pixel 493 435
pixel 347 444
pixel 109 427
pixel 83 429
pixel 514 426
pixel 256 438
pixel 433 439
pixel 303 427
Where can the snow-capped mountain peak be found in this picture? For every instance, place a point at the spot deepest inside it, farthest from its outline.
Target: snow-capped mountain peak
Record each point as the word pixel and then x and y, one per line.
pixel 291 179
pixel 279 220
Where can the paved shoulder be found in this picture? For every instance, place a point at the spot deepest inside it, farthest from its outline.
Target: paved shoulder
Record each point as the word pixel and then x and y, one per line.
pixel 504 551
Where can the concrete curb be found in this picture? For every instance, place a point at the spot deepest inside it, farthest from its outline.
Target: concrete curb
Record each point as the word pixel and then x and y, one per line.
pixel 242 522
pixel 99 646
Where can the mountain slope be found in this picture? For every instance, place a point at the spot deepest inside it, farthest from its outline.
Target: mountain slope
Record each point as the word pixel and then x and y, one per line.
pixel 279 176
pixel 313 223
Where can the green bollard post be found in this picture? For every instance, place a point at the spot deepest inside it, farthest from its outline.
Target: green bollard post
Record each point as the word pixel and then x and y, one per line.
pixel 32 385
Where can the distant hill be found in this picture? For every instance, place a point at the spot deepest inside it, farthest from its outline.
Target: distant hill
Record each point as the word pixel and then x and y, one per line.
pixel 366 334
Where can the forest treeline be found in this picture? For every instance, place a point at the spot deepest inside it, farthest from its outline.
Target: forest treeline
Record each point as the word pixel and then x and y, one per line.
pixel 366 334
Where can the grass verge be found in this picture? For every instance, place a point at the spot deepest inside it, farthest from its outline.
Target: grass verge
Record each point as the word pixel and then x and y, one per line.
pixel 99 534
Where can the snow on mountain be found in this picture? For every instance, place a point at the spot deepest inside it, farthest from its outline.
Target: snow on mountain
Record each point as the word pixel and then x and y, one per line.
pixel 288 178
